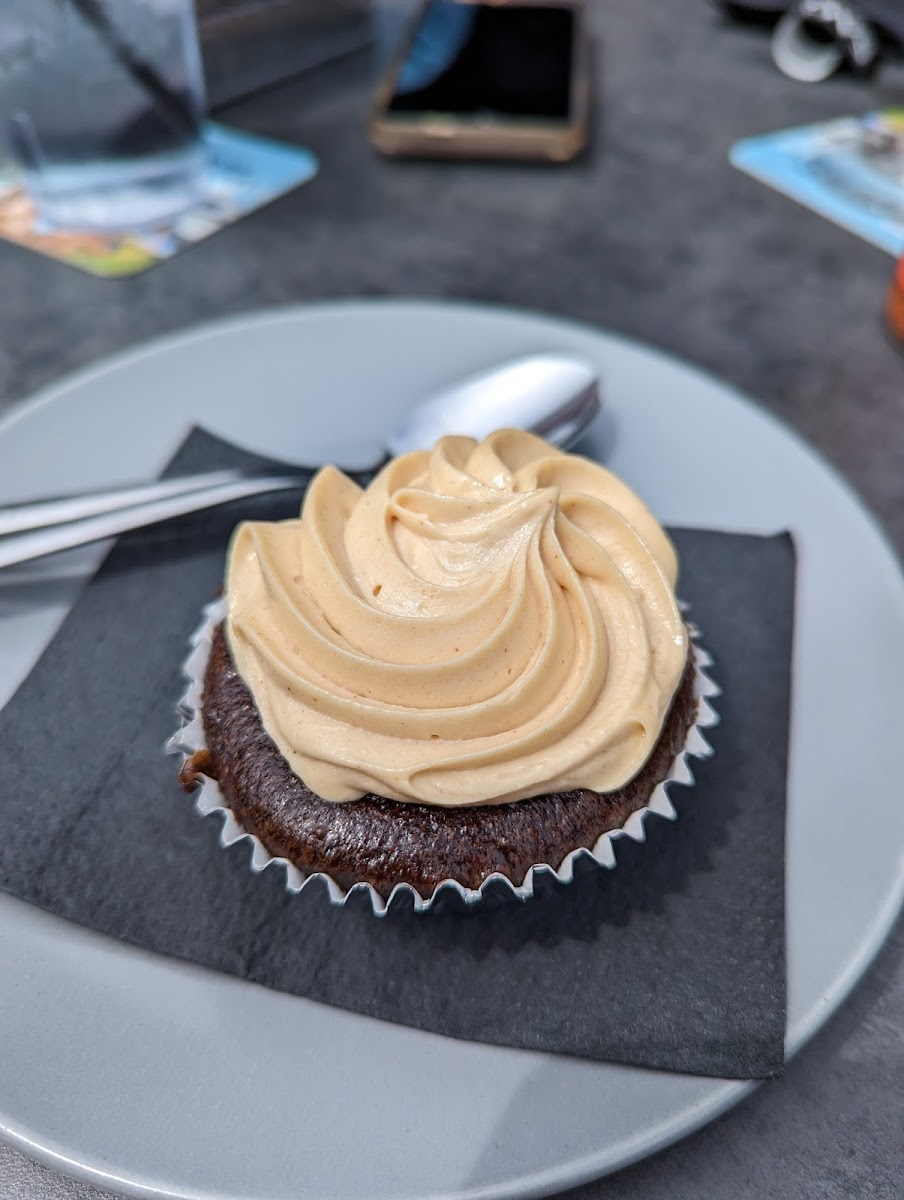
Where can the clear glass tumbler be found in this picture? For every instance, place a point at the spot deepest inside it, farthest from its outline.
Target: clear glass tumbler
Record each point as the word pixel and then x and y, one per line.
pixel 101 105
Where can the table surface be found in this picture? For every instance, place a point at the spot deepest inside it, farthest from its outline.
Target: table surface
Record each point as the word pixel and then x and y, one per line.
pixel 655 236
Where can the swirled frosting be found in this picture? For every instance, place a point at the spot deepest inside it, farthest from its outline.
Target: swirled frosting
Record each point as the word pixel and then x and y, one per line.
pixel 484 623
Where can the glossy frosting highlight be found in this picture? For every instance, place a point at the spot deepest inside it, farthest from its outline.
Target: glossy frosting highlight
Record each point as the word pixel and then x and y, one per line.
pixel 486 622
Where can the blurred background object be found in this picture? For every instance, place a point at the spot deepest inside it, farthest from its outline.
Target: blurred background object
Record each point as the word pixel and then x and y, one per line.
pixel 487 80
pixel 101 106
pixel 812 39
pixel 251 44
pixel 894 307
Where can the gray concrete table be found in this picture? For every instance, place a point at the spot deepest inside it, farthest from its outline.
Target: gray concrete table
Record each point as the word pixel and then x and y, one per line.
pixel 652 235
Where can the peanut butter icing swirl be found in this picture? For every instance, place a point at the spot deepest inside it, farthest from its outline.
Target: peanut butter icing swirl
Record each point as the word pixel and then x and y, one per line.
pixel 484 623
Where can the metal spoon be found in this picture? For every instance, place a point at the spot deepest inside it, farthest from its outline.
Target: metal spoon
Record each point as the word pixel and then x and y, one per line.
pixel 554 395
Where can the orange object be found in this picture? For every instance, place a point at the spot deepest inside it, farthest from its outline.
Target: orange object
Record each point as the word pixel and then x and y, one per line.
pixel 894 305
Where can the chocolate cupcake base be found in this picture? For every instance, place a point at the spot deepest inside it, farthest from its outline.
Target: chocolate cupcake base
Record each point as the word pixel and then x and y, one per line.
pixel 384 843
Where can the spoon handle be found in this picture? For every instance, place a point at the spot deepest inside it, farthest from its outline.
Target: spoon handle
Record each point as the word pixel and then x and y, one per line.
pixel 49 539
pixel 36 514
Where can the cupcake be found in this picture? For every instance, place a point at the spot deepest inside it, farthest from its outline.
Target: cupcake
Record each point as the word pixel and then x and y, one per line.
pixel 474 666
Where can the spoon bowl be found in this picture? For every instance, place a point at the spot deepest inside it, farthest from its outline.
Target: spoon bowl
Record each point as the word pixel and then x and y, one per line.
pixel 553 395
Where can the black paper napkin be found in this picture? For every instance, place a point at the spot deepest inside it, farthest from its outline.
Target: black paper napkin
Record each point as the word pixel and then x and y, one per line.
pixel 674 960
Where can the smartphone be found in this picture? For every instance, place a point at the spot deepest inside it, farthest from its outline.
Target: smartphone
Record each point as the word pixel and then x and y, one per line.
pixel 487 80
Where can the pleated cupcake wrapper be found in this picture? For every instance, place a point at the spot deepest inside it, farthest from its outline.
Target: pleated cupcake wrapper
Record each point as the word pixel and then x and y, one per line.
pixel 208 798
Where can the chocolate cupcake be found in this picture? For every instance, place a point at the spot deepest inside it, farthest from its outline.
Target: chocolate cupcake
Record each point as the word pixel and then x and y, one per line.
pixel 474 667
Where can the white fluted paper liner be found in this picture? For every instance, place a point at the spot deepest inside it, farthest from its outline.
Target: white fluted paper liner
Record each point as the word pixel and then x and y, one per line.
pixel 208 798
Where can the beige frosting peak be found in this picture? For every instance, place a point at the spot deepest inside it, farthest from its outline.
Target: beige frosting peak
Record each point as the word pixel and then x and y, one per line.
pixel 484 623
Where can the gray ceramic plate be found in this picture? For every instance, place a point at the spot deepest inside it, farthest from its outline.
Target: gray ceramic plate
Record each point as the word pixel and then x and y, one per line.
pixel 154 1078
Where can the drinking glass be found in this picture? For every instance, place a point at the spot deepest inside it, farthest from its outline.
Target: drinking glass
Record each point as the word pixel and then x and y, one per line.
pixel 101 105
